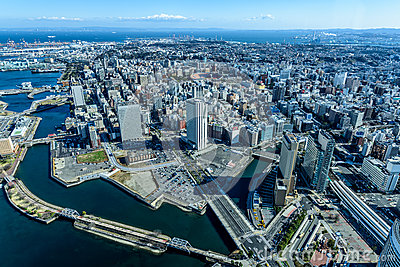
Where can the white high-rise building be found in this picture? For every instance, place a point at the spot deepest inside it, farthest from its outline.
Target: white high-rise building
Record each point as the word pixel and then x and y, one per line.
pixel 78 96
pixel 130 122
pixel 340 79
pixel 196 122
pixel 356 118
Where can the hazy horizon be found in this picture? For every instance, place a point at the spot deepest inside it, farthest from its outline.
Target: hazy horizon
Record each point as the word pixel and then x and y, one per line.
pixel 234 14
pixel 48 28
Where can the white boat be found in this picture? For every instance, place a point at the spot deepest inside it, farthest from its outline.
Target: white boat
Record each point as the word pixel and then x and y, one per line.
pixel 26 86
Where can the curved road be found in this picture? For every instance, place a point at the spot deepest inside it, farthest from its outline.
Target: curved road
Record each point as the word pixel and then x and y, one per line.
pixel 114 162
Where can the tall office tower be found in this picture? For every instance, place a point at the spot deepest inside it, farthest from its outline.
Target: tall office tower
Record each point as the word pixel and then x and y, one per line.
pixel 340 79
pixel 317 160
pixel 390 255
pixel 287 161
pixel 242 106
pixel 130 122
pixel 284 74
pixel 278 93
pixel 196 122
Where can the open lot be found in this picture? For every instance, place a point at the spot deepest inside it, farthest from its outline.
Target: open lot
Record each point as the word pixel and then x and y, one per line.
pixel 92 157
pixel 68 170
pixel 142 183
pixel 355 244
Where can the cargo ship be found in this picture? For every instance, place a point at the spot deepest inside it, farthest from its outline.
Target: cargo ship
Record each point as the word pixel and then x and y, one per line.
pixel 36 71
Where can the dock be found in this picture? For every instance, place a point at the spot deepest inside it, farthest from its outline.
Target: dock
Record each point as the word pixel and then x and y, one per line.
pixel 17 91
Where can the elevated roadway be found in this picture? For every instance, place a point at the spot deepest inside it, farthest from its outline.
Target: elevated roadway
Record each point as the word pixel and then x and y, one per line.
pixel 375 225
pixel 239 228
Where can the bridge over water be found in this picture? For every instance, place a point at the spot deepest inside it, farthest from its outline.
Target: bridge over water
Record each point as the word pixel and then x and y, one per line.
pixel 265 155
pixel 44 140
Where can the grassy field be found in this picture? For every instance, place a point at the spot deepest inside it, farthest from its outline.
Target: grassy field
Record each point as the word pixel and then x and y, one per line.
pixel 92 157
pixel 6 163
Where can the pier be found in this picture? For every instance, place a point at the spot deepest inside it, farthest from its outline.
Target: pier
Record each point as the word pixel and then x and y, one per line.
pixel 47 103
pixel 31 92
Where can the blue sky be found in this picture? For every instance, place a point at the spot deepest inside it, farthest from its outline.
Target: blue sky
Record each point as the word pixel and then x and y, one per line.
pixel 230 14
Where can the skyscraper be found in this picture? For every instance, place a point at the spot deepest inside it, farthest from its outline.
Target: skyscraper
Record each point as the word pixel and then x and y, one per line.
pixel 278 93
pixel 340 79
pixel 356 118
pixel 317 160
pixel 94 137
pixel 130 122
pixel 196 122
pixel 287 160
pixel 390 255
pixel 78 96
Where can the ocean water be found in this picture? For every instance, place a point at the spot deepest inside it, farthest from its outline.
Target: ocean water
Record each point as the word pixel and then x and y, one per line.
pixel 119 35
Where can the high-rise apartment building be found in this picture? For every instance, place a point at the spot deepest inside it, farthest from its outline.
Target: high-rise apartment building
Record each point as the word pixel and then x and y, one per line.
pixel 94 137
pixel 384 178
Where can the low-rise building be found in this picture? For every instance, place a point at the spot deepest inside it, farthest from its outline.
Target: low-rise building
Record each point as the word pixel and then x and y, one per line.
pixel 385 178
pixel 6 147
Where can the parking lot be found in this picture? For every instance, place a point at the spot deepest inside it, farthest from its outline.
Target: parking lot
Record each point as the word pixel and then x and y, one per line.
pixel 175 181
pixel 69 170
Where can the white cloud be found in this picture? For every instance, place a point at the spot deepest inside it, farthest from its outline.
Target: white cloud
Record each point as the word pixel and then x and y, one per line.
pixel 262 17
pixel 158 17
pixel 58 18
